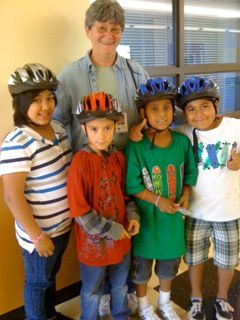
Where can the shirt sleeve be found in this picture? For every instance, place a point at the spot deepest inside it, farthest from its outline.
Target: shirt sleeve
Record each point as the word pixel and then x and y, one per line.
pixel 63 109
pixel 140 74
pixel 134 183
pixel 77 187
pixel 132 211
pixel 81 208
pixel 95 224
pixel 190 166
pixel 14 157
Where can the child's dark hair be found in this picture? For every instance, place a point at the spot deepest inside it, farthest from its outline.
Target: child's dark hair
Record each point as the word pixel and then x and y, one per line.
pixel 21 103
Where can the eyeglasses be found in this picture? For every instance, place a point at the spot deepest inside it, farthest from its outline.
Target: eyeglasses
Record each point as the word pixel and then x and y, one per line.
pixel 104 29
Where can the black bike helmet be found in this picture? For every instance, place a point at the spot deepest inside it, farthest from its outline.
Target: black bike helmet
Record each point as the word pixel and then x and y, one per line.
pixel 32 76
pixel 197 88
pixel 154 89
pixel 98 105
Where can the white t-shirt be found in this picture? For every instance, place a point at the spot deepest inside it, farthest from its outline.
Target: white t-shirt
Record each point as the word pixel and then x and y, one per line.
pixel 216 196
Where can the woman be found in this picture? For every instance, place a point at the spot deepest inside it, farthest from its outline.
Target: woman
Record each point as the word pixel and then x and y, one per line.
pixel 101 69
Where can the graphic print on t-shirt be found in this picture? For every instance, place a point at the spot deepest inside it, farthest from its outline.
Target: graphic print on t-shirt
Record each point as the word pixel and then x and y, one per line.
pixel 155 182
pixel 172 183
pixel 214 156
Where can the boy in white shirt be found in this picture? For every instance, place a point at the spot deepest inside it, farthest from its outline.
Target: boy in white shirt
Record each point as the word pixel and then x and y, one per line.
pixel 215 202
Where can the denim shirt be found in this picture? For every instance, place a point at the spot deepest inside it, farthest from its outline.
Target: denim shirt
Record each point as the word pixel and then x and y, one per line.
pixel 79 79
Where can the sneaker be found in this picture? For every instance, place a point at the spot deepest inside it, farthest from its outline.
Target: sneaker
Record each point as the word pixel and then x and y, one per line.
pixel 195 311
pixel 148 314
pixel 167 312
pixel 132 302
pixel 104 306
pixel 224 311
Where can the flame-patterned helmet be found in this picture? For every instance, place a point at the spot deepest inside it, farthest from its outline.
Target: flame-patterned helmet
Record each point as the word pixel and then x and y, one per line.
pixel 98 105
pixel 197 88
pixel 32 76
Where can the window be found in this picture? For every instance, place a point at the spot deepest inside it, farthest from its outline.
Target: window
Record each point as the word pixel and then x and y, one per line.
pixel 150 35
pixel 211 31
pixel 177 39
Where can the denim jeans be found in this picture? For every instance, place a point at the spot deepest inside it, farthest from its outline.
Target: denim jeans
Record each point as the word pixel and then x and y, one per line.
pixel 130 284
pixel 40 280
pixel 92 289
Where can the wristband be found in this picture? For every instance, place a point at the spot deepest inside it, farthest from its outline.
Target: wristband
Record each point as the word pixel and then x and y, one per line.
pixel 39 237
pixel 157 201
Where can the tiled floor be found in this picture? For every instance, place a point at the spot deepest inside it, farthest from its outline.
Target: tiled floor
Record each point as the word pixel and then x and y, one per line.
pixel 71 308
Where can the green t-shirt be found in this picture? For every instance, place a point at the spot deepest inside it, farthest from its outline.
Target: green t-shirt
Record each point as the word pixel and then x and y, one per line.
pixel 163 171
pixel 106 80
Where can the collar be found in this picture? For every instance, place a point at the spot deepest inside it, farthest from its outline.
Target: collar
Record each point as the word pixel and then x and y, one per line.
pixel 111 150
pixel 90 65
pixel 34 134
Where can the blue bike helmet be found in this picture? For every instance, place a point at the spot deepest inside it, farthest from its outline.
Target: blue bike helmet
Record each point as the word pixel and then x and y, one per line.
pixel 154 89
pixel 197 88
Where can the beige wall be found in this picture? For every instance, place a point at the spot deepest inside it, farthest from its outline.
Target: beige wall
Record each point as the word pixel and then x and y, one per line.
pixel 50 32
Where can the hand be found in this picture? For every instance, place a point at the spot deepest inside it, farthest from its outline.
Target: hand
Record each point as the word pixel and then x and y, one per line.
pixel 135 133
pixel 45 247
pixel 179 207
pixel 183 201
pixel 165 205
pixel 133 227
pixel 234 162
pixel 124 235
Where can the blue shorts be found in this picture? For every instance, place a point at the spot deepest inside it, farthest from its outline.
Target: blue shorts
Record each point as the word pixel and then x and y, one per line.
pixel 141 269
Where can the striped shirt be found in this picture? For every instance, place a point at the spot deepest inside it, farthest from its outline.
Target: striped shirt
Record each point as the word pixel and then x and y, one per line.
pixel 46 163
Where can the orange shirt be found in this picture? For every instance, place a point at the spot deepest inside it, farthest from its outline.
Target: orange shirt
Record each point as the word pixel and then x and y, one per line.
pixel 95 182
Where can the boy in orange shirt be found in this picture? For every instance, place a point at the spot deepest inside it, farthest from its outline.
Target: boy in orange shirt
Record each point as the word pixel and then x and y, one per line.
pixel 105 218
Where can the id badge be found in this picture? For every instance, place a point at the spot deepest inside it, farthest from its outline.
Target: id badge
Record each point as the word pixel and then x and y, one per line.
pixel 122 124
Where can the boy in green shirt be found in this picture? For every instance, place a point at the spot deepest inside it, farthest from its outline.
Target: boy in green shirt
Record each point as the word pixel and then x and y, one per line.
pixel 160 170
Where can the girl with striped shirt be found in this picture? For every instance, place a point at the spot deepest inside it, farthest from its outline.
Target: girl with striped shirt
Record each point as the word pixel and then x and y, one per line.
pixel 34 161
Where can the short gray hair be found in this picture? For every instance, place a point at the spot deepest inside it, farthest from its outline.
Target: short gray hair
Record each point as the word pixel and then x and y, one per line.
pixel 103 11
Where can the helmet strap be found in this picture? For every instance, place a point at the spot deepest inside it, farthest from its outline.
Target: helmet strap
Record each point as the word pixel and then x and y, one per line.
pixel 84 128
pixel 195 145
pixel 156 131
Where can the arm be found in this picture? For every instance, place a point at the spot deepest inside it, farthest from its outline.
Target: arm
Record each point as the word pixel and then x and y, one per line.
pixel 135 132
pixel 164 204
pixel 134 180
pixel 184 199
pixel 133 217
pixel 81 209
pixel 95 224
pixel 13 185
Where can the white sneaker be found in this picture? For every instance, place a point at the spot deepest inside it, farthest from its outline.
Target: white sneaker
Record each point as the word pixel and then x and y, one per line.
pixel 104 306
pixel 168 313
pixel 148 314
pixel 132 302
